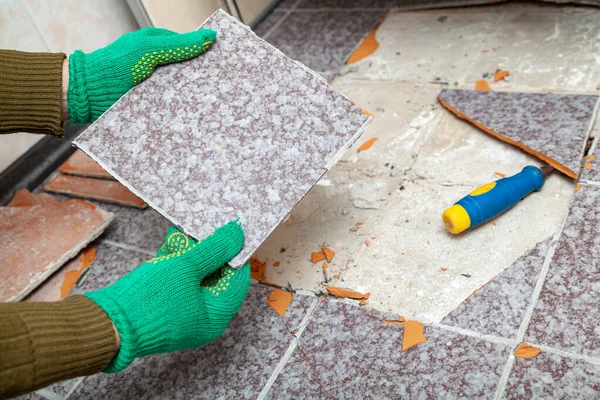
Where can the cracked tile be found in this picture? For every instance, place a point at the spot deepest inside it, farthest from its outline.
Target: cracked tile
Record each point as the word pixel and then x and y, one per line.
pixel 354 355
pixel 498 307
pixel 236 365
pixel 566 314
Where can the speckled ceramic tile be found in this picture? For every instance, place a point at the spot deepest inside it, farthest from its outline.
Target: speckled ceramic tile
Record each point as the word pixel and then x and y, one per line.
pixel 323 40
pixel 110 264
pixel 498 307
pixel 566 314
pixel 591 169
pixel 549 376
pixel 237 365
pixel 250 132
pixel 551 126
pixel 287 4
pixel 354 355
pixel 269 22
pixel 347 3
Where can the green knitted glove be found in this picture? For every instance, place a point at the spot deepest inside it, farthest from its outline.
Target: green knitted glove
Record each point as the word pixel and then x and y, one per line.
pixel 184 298
pixel 97 80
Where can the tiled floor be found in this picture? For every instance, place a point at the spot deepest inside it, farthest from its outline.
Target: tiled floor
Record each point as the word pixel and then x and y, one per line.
pixel 548 296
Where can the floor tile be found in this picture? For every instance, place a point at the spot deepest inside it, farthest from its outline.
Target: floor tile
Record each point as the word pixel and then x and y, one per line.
pixel 198 176
pixel 566 314
pixel 498 307
pixel 237 365
pixel 287 4
pixel 353 355
pixel 591 168
pixel 269 22
pixel 144 229
pixel 551 126
pixel 549 376
pixel 322 41
pixel 111 263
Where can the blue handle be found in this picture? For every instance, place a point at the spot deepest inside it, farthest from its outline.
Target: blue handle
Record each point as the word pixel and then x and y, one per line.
pixel 493 199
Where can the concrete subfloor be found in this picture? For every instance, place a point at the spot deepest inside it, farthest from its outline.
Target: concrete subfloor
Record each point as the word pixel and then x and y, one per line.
pixel 380 209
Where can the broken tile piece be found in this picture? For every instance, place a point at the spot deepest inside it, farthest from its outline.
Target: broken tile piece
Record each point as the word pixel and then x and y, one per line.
pixel 482 85
pixel 328 253
pixel 499 75
pixel 279 300
pixel 35 241
pixel 367 145
pixel 24 198
pixel 551 126
pixel 317 256
pixel 250 132
pixel 347 293
pixel 82 165
pixel 61 283
pixel 413 334
pixel 525 350
pixel 499 306
pixel 94 189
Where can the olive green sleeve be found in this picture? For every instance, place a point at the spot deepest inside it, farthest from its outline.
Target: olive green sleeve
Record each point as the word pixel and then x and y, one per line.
pixel 43 343
pixel 31 92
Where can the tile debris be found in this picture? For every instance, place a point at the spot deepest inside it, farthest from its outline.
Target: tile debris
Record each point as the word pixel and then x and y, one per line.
pixel 413 334
pixel 525 350
pixel 82 165
pixel 500 75
pixel 279 300
pixel 347 293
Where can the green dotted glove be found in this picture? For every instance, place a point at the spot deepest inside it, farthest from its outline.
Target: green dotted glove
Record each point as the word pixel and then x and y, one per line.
pixel 97 80
pixel 184 298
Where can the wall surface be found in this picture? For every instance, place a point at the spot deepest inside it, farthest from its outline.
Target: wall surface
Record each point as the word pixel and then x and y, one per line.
pixel 57 26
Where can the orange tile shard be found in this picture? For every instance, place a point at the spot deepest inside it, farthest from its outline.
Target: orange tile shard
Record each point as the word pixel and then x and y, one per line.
pixel 366 48
pixel 367 145
pixel 30 254
pixel 482 85
pixel 525 350
pixel 96 189
pixel 347 293
pixel 317 256
pixel 499 75
pixel 279 300
pixel 328 253
pixel 82 165
pixel 413 334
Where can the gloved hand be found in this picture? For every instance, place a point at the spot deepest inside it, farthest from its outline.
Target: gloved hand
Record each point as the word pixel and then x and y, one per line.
pixel 184 298
pixel 98 79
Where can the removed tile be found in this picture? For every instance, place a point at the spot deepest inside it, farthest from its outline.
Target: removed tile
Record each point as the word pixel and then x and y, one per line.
pixel 37 240
pixel 24 198
pixel 81 164
pixel 270 129
pixel 62 282
pixel 551 126
pixel 94 189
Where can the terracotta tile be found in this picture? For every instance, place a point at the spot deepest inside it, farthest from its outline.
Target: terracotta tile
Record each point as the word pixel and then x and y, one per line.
pixel 566 314
pixel 35 241
pixel 322 41
pixel 549 376
pixel 237 365
pixel 269 131
pixel 353 355
pixel 63 281
pixel 95 189
pixel 23 198
pixel 551 126
pixel 498 307
pixel 82 165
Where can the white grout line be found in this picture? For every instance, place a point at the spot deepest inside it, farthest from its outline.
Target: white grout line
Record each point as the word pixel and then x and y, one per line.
pixel 467 332
pixel 290 350
pixel 287 14
pixel 127 247
pixel 529 312
pixel 567 354
pixel 590 183
pixel 70 392
pixel 50 395
pixel 338 10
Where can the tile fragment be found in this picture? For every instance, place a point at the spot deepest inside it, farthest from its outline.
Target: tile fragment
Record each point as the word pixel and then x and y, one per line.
pixel 82 165
pixel 525 350
pixel 279 300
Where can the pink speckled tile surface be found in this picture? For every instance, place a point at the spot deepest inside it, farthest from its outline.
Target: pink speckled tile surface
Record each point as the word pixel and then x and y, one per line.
pixel 552 126
pixel 240 132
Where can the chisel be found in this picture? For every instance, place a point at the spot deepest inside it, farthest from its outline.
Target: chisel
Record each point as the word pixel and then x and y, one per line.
pixel 493 199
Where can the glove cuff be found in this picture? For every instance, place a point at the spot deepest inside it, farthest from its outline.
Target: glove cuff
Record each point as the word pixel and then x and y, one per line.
pixel 77 96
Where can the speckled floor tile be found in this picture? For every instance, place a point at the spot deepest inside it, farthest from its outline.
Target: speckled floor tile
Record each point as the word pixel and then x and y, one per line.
pixel 549 376
pixel 347 3
pixel 144 229
pixel 591 169
pixel 551 126
pixel 237 365
pixel 498 307
pixel 566 314
pixel 270 129
pixel 323 40
pixel 269 22
pixel 353 355
pixel 110 264
pixel 287 4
